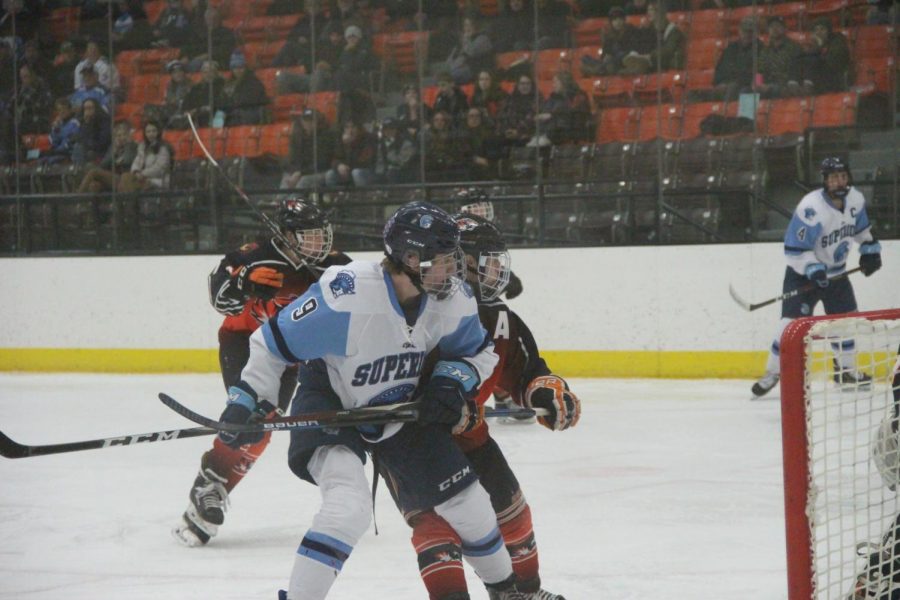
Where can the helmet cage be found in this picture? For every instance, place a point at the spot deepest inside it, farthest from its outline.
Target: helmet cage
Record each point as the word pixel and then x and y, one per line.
pixel 834 164
pixel 314 244
pixel 441 276
pixel 493 273
pixel 307 229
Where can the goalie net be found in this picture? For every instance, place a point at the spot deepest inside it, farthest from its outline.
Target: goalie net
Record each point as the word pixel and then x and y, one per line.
pixel 837 506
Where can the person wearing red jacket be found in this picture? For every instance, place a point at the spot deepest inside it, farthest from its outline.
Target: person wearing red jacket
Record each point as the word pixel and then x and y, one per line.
pixel 250 286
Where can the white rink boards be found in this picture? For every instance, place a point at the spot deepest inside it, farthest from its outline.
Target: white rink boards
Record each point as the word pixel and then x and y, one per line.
pixel 665 489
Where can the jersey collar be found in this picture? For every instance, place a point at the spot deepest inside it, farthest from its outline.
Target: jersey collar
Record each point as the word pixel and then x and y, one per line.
pixel 392 294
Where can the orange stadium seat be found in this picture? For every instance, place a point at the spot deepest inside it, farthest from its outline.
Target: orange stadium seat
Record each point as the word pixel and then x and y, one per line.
pixel 214 139
pixel 695 113
pixel 672 119
pixel 874 41
pixel 736 15
pixel 589 32
pixel 182 143
pixel 131 112
pixel 38 141
pixel 879 72
pixel 580 52
pixel 243 141
pixel 708 24
pixel 834 110
pixel 700 80
pixel 268 78
pixel 154 8
pixel 703 53
pixel 618 124
pixel 785 115
pixel 549 62
pixel 647 89
pixel 404 50
pixel 274 139
pixel 284 106
pixel 835 10
pixel 612 91
pixel 145 89
pixel 326 103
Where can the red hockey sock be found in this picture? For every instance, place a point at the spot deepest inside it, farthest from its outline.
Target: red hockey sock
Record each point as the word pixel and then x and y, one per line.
pixel 233 463
pixel 519 538
pixel 440 556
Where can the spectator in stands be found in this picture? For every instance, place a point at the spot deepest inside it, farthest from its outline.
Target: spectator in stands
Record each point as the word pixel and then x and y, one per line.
pixel 553 24
pixel 395 160
pixel 90 88
pixel 152 165
pixel 355 63
pixel 34 58
pixel 328 53
pixel 661 44
pixel 566 113
pixel 310 150
pixel 413 114
pixel 94 137
pixel 130 31
pixel 488 94
pixel 215 35
pixel 33 103
pixel 446 150
pixel 879 13
pixel 473 52
pixel 734 71
pixel 485 145
pixel 205 97
pixel 516 120
pixel 176 91
pixel 356 105
pixel 826 63
pixel 172 27
pixel 244 98
pixel 450 98
pixel 59 78
pixel 354 158
pixel 118 159
pixel 63 133
pixel 107 75
pixel 618 40
pixel 514 27
pixel 780 63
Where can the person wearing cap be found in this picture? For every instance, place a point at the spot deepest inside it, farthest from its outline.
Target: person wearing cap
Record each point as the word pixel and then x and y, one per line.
pixel 826 63
pixel 395 159
pixel 734 71
pixel 90 88
pixel 107 75
pixel 244 98
pixel 356 61
pixel 618 39
pixel 310 148
pixel 780 63
pixel 176 91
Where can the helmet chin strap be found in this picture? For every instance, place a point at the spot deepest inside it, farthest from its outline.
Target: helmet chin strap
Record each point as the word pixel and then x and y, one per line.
pixel 414 276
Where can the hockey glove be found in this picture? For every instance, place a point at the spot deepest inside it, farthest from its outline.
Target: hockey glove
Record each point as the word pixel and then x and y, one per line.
pixel 552 393
pixel 514 287
pixel 816 272
pixel 242 408
pixel 869 257
pixel 261 282
pixel 447 399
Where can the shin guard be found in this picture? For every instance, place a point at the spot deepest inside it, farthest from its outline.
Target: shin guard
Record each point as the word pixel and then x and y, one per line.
pixel 440 557
pixel 518 536
pixel 232 463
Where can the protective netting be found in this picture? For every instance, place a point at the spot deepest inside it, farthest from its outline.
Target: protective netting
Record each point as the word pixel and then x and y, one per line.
pixel 851 509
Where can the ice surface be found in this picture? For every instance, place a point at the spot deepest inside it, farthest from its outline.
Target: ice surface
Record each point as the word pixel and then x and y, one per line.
pixel 665 490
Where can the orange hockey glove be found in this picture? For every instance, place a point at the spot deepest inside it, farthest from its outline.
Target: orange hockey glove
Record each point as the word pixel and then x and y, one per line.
pixel 261 282
pixel 552 393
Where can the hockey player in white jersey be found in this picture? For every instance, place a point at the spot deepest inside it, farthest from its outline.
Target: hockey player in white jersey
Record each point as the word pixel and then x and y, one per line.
pixel 361 335
pixel 817 242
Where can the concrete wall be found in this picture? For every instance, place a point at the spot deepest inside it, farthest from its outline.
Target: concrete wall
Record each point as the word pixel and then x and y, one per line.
pixel 636 311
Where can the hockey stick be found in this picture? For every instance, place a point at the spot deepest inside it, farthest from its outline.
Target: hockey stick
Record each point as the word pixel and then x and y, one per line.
pixel 800 290
pixel 269 223
pixel 12 449
pixel 370 415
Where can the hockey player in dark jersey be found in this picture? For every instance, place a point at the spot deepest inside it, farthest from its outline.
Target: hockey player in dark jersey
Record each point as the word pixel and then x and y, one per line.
pixel 525 377
pixel 249 286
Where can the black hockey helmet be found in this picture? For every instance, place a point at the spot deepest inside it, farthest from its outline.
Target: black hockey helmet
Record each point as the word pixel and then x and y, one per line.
pixel 423 240
pixel 836 164
pixel 475 201
pixel 483 241
pixel 308 225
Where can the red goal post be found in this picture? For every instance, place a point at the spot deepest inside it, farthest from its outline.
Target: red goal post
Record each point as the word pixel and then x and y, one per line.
pixel 834 496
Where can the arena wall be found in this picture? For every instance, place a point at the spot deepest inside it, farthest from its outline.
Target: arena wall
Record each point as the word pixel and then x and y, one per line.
pixel 596 312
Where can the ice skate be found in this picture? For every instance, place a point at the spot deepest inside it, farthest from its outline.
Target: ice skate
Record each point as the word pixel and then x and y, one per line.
pixel 545 595
pixel 206 511
pixel 765 384
pixel 509 590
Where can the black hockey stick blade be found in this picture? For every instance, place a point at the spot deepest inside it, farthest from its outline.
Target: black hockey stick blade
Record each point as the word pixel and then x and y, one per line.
pixel 800 290
pixel 370 415
pixel 9 448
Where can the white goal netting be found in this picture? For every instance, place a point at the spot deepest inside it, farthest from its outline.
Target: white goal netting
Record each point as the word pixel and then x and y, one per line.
pixel 850 509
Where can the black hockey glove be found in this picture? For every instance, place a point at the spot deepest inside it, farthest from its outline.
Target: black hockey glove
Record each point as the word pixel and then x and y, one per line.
pixel 869 257
pixel 446 399
pixel 553 394
pixel 239 411
pixel 514 287
pixel 261 282
pixel 816 272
